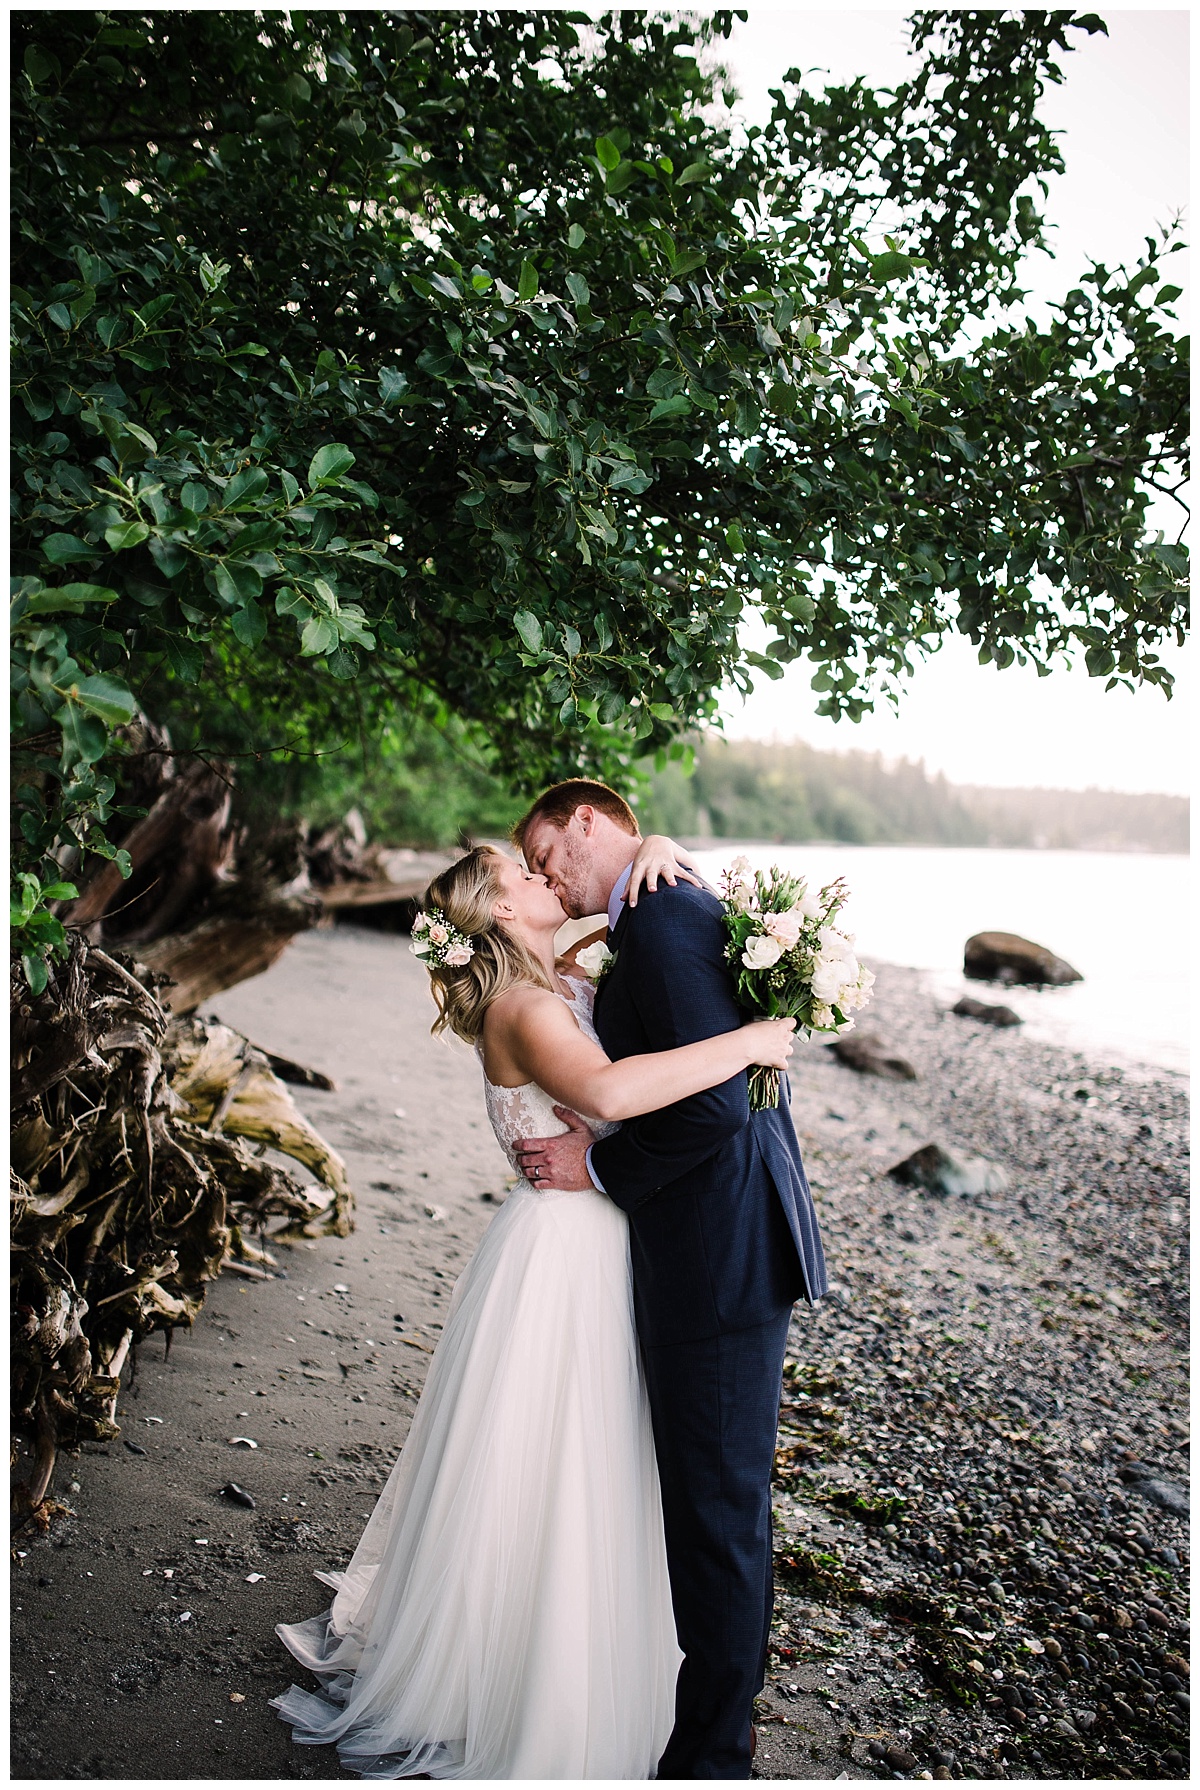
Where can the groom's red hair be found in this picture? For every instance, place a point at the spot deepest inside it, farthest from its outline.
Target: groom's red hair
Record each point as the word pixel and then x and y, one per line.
pixel 559 803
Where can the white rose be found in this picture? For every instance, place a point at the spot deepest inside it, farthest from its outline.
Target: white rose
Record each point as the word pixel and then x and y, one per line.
pixel 809 905
pixel 459 955
pixel 828 979
pixel 594 959
pixel 761 952
pixel 822 1018
pixel 836 944
pixel 784 927
pixel 420 947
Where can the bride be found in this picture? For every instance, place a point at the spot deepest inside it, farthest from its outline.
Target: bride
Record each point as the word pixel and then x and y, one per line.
pixel 507 1613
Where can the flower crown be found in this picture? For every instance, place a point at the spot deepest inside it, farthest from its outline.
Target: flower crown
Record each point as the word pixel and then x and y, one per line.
pixel 439 943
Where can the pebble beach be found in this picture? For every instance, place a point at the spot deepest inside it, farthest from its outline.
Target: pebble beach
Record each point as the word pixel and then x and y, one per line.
pixel 981 1498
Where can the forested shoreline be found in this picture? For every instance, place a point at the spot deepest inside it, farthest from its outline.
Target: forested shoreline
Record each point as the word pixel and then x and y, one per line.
pixel 430 787
pixel 792 793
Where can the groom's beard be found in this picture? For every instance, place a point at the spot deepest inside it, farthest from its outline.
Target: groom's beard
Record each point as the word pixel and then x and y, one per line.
pixel 572 878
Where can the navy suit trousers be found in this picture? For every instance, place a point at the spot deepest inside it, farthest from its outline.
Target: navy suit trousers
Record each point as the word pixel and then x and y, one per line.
pixel 715 1408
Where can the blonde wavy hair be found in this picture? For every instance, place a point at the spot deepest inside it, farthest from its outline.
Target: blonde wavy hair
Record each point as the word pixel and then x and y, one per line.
pixel 466 894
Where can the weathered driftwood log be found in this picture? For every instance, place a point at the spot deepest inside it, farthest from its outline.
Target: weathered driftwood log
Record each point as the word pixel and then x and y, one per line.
pixel 133 1183
pixel 203 907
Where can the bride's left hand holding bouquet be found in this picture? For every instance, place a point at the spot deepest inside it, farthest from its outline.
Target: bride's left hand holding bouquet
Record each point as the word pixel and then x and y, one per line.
pixel 789 960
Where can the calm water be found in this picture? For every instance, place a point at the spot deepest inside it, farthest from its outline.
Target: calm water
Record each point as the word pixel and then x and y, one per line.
pixel 1122 919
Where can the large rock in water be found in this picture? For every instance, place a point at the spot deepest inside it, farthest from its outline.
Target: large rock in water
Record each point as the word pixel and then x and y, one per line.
pixel 1005 957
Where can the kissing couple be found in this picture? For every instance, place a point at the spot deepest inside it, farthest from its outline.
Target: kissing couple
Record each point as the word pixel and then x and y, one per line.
pixel 568 1574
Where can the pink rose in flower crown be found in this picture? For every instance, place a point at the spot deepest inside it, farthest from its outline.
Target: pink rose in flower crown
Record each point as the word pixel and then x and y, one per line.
pixel 438 933
pixel 458 956
pixel 784 927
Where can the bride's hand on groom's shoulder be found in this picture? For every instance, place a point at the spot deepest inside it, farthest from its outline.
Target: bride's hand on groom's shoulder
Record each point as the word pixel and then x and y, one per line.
pixel 659 856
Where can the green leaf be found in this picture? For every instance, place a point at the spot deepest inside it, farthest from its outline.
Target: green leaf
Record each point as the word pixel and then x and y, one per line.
pixel 59 892
pixel 126 534
pixel 891 266
pixel 328 464
pixel 620 178
pixel 688 262
pixel 529 628
pixel 342 662
pixel 85 737
pixel 36 973
pixel 39 70
pixel 572 640
pixel 578 287
pixel 607 154
pixel 243 488
pixel 106 697
pixel 237 581
pixel 249 624
pixel 392 385
pixel 194 497
pixel 576 236
pixel 448 288
pixel 185 658
pixel 528 283
pixel 676 406
pixel 63 550
pixel 319 635
pixel 66 598
pixel 693 172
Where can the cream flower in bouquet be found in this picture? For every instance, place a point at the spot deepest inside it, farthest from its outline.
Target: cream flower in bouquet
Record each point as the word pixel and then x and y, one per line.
pixel 788 958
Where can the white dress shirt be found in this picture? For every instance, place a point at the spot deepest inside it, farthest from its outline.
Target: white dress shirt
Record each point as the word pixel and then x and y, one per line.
pixel 616 902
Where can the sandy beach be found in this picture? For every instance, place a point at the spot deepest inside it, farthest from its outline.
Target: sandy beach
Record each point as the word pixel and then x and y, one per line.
pixel 982 1545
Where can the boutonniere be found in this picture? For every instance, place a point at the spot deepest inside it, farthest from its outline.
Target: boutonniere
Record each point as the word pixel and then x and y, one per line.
pixel 596 961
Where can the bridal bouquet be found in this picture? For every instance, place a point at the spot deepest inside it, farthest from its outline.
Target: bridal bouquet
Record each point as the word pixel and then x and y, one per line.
pixel 789 960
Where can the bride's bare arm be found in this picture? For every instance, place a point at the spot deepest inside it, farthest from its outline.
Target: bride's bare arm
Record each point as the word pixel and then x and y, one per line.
pixel 532 1034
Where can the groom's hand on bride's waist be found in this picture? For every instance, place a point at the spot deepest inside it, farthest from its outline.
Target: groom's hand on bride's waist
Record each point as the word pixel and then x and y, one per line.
pixel 558 1163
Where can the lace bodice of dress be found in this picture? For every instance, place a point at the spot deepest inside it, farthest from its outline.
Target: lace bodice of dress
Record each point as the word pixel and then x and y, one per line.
pixel 528 1111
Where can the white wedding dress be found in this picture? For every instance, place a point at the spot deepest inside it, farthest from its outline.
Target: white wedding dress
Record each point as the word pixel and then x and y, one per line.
pixel 507 1613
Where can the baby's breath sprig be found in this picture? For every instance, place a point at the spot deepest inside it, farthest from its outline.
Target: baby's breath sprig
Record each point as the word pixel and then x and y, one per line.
pixel 437 943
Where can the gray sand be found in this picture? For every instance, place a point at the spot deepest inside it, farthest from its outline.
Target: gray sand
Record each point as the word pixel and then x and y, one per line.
pixel 136 1623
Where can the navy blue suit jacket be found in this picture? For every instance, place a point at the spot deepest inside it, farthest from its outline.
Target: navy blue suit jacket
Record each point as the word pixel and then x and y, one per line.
pixel 722 1227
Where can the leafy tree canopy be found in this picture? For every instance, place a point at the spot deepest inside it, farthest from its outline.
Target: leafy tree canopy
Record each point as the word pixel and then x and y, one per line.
pixel 458 360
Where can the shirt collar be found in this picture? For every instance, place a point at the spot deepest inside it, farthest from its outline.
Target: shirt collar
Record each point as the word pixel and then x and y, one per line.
pixel 616 900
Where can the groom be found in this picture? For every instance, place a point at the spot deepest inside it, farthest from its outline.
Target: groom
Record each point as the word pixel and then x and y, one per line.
pixel 723 1239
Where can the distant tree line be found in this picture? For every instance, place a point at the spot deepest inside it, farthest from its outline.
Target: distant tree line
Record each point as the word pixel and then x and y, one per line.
pixel 431 785
pixel 752 790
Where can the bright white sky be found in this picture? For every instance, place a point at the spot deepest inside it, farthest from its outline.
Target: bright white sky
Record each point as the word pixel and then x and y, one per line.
pixel 1123 112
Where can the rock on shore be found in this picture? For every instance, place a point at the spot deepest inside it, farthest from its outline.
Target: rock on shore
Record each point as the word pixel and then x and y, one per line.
pixel 1004 957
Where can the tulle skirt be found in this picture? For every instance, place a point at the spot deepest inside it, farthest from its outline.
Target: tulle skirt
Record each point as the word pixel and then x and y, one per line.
pixel 507 1613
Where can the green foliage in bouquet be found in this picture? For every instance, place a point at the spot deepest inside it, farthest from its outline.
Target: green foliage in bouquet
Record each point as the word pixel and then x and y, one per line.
pixel 788 959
